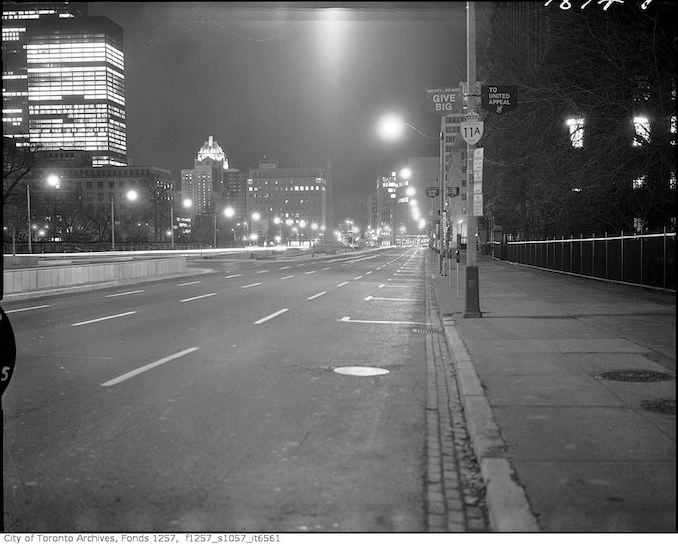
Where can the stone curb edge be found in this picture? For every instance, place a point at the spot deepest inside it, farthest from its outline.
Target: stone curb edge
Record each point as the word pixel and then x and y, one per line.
pixel 507 505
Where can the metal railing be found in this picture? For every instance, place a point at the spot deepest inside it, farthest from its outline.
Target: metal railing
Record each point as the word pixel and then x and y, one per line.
pixel 646 260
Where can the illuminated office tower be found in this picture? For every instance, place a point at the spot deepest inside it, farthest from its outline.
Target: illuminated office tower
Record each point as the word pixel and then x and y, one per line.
pixel 15 19
pixel 76 87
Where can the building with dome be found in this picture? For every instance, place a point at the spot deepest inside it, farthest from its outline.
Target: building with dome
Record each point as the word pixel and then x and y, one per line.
pixel 203 183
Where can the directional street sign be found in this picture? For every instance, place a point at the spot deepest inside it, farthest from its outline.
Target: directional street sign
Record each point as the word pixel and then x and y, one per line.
pixel 472 129
pixel 444 100
pixel 499 98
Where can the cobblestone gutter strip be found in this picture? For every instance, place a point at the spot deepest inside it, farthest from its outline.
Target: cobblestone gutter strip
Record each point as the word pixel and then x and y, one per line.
pixel 454 488
pixel 507 505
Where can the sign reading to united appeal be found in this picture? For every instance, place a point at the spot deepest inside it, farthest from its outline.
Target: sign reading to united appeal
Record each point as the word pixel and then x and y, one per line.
pixel 499 98
pixel 444 100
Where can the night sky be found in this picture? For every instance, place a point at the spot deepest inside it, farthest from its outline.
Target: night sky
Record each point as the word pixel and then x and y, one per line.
pixel 292 81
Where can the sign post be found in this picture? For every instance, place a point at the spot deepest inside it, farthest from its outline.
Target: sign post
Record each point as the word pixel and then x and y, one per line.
pixel 472 132
pixel 443 101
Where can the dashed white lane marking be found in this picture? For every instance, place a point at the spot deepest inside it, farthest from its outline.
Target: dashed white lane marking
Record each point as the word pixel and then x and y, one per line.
pixel 357 277
pixel 26 309
pixel 262 271
pixel 401 279
pixel 126 293
pixel 250 285
pixel 287 277
pixel 347 319
pixel 189 283
pixel 342 284
pixel 149 366
pixel 368 298
pixel 102 319
pixel 232 276
pixel 274 314
pixel 284 267
pixel 400 299
pixel 196 298
pixel 310 272
pixel 316 295
pixel 327 268
pixel 368 273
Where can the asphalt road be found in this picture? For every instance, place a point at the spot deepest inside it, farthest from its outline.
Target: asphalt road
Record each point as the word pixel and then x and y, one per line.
pixel 212 402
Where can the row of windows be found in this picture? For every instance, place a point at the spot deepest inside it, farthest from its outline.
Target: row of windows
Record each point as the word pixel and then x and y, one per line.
pixel 641 126
pixel 73 109
pixel 57 96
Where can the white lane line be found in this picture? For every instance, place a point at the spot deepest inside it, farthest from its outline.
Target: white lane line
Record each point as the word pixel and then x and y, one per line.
pixel 126 293
pixel 250 285
pixel 287 277
pixel 368 298
pixel 144 368
pixel 357 277
pixel 342 284
pixel 347 319
pixel 327 268
pixel 311 272
pixel 102 319
pixel 26 309
pixel 189 283
pixel 274 314
pixel 401 279
pixel 316 295
pixel 196 298
pixel 232 276
pixel 284 267
pixel 368 273
pixel 393 285
pixel 262 271
pixel 380 285
pixel 403 299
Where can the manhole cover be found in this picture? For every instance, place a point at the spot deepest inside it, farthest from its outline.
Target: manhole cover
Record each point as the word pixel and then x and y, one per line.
pixel 361 371
pixel 660 406
pixel 634 376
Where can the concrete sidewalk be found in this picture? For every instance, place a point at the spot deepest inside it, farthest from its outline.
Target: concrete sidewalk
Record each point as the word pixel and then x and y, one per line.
pixel 563 446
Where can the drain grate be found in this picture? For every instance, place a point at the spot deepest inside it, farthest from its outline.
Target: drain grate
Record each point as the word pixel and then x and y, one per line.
pixel 660 406
pixel 428 331
pixel 634 376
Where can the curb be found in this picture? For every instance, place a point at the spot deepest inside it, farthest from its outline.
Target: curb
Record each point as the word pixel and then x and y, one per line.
pixel 507 504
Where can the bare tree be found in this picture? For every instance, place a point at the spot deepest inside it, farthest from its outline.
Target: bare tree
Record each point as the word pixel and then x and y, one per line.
pixel 605 70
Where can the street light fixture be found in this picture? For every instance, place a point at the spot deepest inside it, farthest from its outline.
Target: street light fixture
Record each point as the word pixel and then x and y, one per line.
pixel 131 195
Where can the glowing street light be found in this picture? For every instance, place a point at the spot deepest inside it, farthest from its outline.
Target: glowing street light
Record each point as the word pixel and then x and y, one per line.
pixel 131 195
pixel 229 212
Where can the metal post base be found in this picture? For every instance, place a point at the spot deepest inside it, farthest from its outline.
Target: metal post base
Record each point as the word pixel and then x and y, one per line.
pixel 472 301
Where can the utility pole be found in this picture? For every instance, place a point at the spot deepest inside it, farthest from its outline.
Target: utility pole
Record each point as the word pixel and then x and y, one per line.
pixel 472 299
pixel 441 189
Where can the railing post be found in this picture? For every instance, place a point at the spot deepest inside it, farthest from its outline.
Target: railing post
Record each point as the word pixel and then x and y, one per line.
pixel 593 255
pixel 607 276
pixel 621 260
pixel 641 258
pixel 571 251
pixel 581 254
pixel 664 261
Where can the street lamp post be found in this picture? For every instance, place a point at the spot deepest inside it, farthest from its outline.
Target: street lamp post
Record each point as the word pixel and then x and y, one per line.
pixel 28 203
pixel 472 295
pixel 132 196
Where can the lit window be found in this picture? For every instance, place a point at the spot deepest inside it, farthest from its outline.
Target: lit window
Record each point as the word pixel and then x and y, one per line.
pixel 638 224
pixel 576 126
pixel 639 182
pixel 642 128
pixel 673 130
pixel 672 181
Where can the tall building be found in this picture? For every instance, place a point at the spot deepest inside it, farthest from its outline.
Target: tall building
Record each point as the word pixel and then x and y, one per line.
pixel 295 196
pixel 204 182
pixel 68 80
pixel 15 19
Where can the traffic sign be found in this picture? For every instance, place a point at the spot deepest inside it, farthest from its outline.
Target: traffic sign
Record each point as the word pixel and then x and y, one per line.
pixel 444 100
pixel 432 192
pixel 499 98
pixel 478 165
pixel 472 129
pixel 477 204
